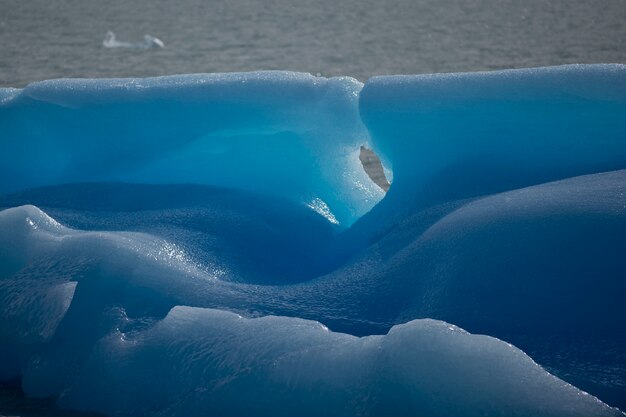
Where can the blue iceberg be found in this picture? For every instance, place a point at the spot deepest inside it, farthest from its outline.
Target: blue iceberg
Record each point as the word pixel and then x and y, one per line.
pixel 211 242
pixel 284 134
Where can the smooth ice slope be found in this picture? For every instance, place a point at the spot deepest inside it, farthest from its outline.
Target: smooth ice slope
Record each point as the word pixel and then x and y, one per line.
pixel 542 267
pixel 286 134
pixel 526 125
pixel 453 136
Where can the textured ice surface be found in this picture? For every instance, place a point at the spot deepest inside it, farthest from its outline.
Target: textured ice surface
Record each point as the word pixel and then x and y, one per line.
pixel 284 366
pixel 121 350
pixel 164 298
pixel 285 134
pixel 251 237
pixel 542 267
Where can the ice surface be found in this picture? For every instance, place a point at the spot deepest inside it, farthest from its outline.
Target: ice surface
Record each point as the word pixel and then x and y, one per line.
pixel 120 351
pixel 159 297
pixel 222 362
pixel 252 238
pixel 131 280
pixel 542 267
pixel 286 134
pixel 453 136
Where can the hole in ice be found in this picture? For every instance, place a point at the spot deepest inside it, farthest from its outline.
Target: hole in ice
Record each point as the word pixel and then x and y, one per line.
pixel 374 168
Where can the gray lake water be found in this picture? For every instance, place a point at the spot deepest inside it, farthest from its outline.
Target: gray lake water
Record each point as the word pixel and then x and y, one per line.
pixel 42 39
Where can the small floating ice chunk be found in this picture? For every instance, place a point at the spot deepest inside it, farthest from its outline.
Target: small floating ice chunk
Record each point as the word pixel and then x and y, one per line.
pixel 149 41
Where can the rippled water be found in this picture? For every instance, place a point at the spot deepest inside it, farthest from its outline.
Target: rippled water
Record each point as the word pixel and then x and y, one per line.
pixel 42 39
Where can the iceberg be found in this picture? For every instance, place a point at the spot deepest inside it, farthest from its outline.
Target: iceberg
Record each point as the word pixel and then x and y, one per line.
pixel 284 134
pixel 177 244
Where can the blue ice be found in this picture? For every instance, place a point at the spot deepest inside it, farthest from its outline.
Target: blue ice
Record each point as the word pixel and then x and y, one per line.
pixel 211 242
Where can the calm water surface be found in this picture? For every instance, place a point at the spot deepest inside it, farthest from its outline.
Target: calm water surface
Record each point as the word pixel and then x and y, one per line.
pixel 42 39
